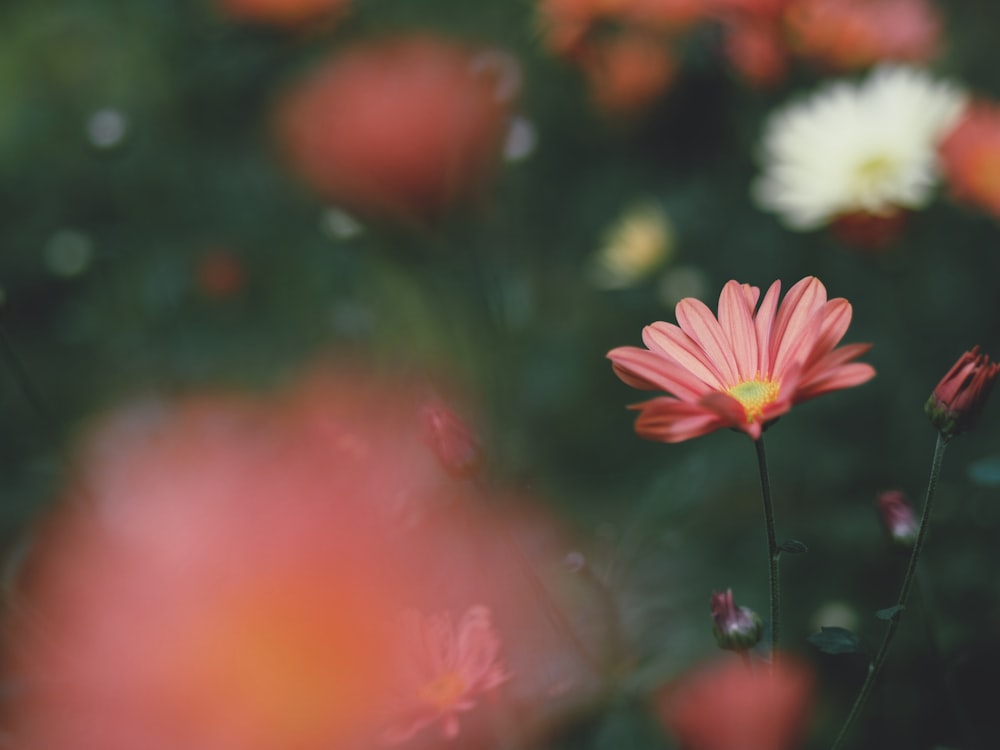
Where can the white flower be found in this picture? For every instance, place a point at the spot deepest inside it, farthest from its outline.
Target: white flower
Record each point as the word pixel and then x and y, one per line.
pixel 856 147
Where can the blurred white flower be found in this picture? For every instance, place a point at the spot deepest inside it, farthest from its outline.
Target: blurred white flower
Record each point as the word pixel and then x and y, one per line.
pixel 637 244
pixel 867 147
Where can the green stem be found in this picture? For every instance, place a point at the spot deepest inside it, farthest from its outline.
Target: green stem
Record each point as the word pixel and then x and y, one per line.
pixel 904 593
pixel 772 545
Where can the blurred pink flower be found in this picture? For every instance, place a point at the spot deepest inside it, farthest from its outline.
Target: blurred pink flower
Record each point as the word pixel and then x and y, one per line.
pixel 448 669
pixel 744 368
pixel 897 517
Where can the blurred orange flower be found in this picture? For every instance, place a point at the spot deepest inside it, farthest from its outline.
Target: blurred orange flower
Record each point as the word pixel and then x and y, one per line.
pixel 625 48
pixel 756 49
pixel 283 12
pixel 225 573
pixel 724 705
pixel 970 157
pixel 401 128
pixel 627 71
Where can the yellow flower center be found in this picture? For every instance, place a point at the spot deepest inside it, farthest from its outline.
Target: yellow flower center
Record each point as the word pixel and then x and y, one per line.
pixel 754 395
pixel 444 691
pixel 871 176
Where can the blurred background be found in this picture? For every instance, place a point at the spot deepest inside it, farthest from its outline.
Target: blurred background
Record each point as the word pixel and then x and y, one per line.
pixel 172 219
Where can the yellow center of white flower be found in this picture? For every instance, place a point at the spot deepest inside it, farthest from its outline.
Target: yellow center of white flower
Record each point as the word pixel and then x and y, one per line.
pixel 754 395
pixel 872 175
pixel 444 691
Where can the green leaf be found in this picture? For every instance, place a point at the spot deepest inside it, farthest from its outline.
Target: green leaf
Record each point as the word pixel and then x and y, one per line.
pixel 793 547
pixel 835 640
pixel 889 612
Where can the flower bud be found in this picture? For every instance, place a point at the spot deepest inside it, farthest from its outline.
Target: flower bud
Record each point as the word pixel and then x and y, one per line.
pixel 450 439
pixel 897 517
pixel 959 398
pixel 735 628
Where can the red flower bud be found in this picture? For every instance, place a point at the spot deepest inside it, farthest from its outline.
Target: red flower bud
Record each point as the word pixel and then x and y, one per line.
pixel 897 517
pixel 959 398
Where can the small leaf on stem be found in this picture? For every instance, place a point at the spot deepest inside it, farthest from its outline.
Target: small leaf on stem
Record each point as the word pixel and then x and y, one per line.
pixel 889 613
pixel 834 640
pixel 793 547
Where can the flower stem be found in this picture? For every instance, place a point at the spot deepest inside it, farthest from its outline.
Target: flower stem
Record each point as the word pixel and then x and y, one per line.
pixel 772 545
pixel 904 592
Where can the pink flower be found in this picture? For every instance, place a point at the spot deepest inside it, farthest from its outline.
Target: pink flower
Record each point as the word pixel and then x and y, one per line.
pixel 746 367
pixel 443 670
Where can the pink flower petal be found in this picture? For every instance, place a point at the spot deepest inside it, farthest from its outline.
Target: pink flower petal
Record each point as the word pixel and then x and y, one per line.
pixel 649 371
pixel 831 360
pixel 796 322
pixel 844 376
pixel 764 322
pixel 672 342
pixel 736 319
pixel 698 322
pixel 671 421
pixel 836 317
pixel 729 410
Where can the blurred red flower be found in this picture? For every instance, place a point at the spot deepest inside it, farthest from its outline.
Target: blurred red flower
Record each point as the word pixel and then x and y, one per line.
pixel 970 157
pixel 283 12
pixel 724 705
pixel 402 128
